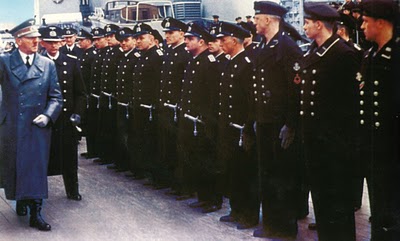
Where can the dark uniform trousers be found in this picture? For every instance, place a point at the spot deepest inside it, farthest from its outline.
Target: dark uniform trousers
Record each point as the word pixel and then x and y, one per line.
pixel 379 128
pixel 94 103
pixel 236 164
pixel 64 150
pixel 276 105
pixel 108 105
pixel 146 78
pixel 197 154
pixel 327 111
pixel 124 89
pixel 174 63
pixel 107 116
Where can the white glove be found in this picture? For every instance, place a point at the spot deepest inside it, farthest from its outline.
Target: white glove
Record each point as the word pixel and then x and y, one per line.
pixel 41 120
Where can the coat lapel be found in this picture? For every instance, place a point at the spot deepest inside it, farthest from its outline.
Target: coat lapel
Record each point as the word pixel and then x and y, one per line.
pixel 36 70
pixel 17 66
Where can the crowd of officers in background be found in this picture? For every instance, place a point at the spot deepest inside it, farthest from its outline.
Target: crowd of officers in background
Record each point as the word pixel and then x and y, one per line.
pixel 206 111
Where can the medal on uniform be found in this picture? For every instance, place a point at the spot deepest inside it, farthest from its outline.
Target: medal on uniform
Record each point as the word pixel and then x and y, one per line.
pixel 297 79
pixel 361 85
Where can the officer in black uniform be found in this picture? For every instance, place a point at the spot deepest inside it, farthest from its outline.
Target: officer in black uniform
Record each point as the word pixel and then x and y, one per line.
pixel 275 109
pixel 345 25
pixel 108 104
pixel 215 49
pixel 215 21
pixel 238 168
pixel 146 88
pixel 378 116
pixel 64 144
pixel 327 110
pixel 100 43
pixel 198 120
pixel 123 94
pixel 85 40
pixel 70 47
pixel 175 60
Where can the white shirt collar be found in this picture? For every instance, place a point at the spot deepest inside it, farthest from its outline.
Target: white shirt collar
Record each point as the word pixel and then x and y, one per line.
pixel 236 54
pixel 53 57
pixel 23 56
pixel 70 47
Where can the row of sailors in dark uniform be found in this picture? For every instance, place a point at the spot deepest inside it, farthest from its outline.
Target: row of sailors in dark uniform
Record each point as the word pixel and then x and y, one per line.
pixel 262 124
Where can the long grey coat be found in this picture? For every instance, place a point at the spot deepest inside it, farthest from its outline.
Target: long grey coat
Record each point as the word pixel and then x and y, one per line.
pixel 24 147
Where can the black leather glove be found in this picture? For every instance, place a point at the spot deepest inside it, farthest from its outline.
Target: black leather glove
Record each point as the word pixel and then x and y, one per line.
pixel 75 119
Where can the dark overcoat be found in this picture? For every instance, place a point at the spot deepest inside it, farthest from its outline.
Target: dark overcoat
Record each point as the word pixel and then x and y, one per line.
pixel 63 152
pixel 24 147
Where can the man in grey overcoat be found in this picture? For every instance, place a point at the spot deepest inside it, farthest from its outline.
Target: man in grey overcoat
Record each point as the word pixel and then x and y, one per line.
pixel 32 101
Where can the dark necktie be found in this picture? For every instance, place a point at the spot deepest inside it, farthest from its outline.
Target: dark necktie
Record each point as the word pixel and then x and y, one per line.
pixel 28 65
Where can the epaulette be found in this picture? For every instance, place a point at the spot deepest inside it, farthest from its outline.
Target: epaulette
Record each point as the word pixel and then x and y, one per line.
pixel 137 54
pixel 120 49
pixel 227 56
pixel 159 52
pixel 94 52
pixel 211 58
pixel 247 59
pixel 72 56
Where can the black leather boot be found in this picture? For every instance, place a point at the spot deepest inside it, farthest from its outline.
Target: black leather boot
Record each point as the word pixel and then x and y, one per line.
pixel 21 208
pixel 71 185
pixel 36 220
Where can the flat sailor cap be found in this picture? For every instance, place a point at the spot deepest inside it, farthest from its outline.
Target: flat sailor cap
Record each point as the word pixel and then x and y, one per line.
pixel 382 9
pixel 142 28
pixel 98 33
pixel 83 34
pixel 270 8
pixel 233 30
pixel 172 24
pixel 124 33
pixel 68 32
pixel 51 34
pixel 110 29
pixel 320 11
pixel 195 29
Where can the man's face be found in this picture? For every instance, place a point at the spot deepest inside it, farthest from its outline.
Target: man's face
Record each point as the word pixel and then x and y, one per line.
pixel 370 27
pixel 192 44
pixel 69 41
pixel 214 47
pixel 145 42
pixel 260 20
pixel 173 38
pixel 310 28
pixel 128 44
pixel 28 45
pixel 227 44
pixel 112 41
pixel 84 43
pixel 51 47
pixel 100 43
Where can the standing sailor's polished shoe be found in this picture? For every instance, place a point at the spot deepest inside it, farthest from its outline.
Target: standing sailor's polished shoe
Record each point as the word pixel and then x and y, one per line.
pixel 74 196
